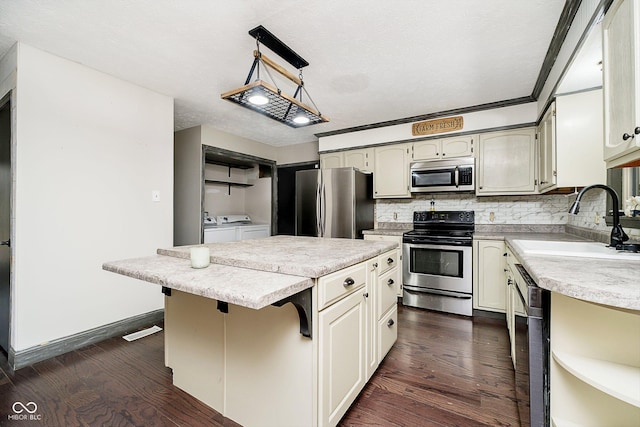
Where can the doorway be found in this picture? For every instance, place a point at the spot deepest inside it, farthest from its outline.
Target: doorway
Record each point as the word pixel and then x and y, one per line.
pixel 5 222
pixel 287 196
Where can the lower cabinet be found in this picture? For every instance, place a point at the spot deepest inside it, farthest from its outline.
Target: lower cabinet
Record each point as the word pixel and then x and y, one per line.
pixel 342 355
pixel 391 238
pixel 489 275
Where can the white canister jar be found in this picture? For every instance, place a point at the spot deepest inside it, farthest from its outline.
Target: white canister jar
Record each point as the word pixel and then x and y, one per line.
pixel 200 256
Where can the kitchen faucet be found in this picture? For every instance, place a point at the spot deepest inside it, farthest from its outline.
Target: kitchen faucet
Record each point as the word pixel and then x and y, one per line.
pixel 618 236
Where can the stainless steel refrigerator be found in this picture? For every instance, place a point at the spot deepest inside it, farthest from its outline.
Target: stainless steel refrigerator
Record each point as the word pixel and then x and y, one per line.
pixel 334 203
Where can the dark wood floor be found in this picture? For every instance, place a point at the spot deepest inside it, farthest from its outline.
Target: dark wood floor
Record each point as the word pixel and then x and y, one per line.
pixel 444 370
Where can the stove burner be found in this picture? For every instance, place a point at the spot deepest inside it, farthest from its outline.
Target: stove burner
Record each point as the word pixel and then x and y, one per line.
pixel 443 227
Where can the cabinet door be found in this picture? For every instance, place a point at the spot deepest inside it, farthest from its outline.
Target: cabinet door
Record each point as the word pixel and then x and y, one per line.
pixel 489 275
pixel 461 146
pixel 341 343
pixel 331 160
pixel 359 159
pixel 389 238
pixel 546 135
pixel 621 82
pixel 506 162
pixel 427 150
pixel 391 171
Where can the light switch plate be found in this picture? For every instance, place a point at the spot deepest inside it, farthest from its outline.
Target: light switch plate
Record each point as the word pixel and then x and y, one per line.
pixel 155 195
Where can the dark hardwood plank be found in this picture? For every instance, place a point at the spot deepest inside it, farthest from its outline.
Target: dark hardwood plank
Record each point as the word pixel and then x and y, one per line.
pixel 445 370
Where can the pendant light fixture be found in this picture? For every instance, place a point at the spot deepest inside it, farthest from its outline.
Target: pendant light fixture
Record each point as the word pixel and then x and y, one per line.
pixel 269 99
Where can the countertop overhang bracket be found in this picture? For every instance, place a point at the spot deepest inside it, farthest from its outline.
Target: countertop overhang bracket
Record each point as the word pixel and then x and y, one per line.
pixel 302 302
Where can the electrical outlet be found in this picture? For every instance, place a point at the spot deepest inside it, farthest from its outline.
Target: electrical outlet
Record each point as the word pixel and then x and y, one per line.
pixel 155 195
pixel 492 216
pixel 596 218
pixel 395 216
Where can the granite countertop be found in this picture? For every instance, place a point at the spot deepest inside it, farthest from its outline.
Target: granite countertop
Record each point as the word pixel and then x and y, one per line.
pixel 251 273
pixel 301 256
pixel 240 286
pixel 610 282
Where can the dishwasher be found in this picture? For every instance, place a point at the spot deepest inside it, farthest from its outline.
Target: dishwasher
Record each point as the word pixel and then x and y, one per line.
pixel 532 346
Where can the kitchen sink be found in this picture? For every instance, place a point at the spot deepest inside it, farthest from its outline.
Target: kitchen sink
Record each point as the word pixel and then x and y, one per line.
pixel 572 249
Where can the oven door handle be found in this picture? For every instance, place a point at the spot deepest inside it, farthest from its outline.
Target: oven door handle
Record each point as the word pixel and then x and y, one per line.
pixel 420 290
pixel 456 176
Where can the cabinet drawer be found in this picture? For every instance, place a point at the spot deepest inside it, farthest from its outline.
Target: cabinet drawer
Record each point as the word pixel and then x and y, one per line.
pixel 388 286
pixel 387 261
pixel 387 332
pixel 336 285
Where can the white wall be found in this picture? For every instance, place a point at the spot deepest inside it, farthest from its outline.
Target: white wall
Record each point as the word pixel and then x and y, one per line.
pixel 299 153
pixel 476 121
pixel 90 150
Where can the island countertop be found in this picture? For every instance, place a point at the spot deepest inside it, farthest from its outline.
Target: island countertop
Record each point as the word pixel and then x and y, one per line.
pixel 300 256
pixel 251 273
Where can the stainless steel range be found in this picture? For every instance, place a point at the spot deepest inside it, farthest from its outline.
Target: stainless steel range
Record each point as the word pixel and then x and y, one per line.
pixel 437 261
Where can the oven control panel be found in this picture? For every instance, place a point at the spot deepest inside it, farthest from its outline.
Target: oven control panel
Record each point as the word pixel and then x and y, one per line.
pixel 449 217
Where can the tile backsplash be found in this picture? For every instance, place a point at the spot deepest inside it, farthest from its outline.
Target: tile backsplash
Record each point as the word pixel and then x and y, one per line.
pixel 545 209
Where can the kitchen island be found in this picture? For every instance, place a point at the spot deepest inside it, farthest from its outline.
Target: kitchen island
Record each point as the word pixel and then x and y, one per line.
pixel 276 331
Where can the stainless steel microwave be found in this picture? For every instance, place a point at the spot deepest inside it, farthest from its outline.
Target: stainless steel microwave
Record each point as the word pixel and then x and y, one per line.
pixel 443 175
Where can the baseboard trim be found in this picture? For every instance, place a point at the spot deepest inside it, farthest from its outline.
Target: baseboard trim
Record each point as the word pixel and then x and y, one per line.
pixel 22 358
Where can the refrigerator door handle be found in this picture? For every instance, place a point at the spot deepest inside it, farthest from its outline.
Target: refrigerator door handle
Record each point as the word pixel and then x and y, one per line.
pixel 319 203
pixel 324 210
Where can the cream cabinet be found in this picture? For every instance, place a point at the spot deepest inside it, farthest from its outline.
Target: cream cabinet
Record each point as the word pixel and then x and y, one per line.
pixel 570 142
pixel 342 356
pixel 437 149
pixel 332 160
pixel 621 83
pixel 359 159
pixel 388 285
pixel 506 162
pixel 595 364
pixel 546 136
pixel 391 171
pixel 489 275
pixel 397 239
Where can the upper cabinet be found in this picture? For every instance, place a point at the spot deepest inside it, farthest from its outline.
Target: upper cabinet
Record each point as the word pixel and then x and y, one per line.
pixel 570 138
pixel 391 171
pixel 506 163
pixel 360 159
pixel 436 149
pixel 332 160
pixel 546 135
pixel 621 83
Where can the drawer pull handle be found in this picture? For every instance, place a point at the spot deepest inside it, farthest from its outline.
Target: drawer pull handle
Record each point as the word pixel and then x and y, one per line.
pixel 390 282
pixel 348 282
pixel 389 261
pixel 390 323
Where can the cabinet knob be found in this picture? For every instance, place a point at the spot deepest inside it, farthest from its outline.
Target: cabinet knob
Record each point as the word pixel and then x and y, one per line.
pixel 637 130
pixel 626 136
pixel 389 261
pixel 348 282
pixel 375 265
pixel 366 295
pixel 390 323
pixel 390 282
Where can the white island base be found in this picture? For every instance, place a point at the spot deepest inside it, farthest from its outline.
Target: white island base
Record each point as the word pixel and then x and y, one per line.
pixel 252 366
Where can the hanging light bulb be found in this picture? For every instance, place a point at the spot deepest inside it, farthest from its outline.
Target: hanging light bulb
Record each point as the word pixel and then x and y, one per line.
pixel 301 119
pixel 258 99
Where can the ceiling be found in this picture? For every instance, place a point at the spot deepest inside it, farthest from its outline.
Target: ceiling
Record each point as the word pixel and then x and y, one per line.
pixel 370 60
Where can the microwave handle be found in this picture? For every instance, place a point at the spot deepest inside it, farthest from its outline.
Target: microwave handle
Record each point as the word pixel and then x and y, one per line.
pixel 456 175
